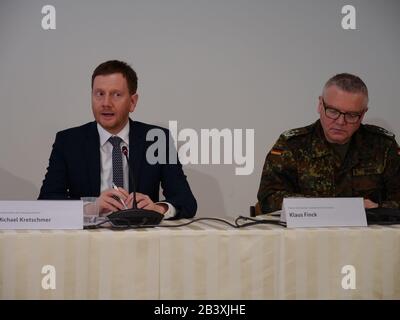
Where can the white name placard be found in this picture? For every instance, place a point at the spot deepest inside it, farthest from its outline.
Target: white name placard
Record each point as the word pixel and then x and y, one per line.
pixel 41 214
pixel 324 212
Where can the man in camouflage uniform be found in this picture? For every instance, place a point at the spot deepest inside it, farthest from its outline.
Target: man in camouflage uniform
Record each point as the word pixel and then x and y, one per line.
pixel 336 156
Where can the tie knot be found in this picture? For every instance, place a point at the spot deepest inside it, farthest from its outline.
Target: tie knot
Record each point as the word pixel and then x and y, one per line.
pixel 115 141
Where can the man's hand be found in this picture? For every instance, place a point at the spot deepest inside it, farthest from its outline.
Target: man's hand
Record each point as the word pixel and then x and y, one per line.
pixel 108 200
pixel 368 204
pixel 144 202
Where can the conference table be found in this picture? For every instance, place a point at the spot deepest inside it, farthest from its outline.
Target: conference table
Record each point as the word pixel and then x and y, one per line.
pixel 202 260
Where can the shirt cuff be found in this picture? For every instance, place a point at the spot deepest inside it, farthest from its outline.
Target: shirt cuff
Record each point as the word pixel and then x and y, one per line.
pixel 171 212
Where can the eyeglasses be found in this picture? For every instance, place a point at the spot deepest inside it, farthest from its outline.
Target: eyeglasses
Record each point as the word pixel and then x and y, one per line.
pixel 334 114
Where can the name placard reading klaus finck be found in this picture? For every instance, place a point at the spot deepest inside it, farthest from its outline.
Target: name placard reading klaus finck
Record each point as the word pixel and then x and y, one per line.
pixel 323 212
pixel 41 214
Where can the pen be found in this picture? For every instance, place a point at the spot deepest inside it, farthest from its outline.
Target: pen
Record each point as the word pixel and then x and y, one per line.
pixel 116 188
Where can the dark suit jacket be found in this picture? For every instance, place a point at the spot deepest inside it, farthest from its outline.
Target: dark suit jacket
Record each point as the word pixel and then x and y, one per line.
pixel 74 168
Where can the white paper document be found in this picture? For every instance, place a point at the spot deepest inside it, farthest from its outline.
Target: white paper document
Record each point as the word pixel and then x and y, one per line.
pixel 324 212
pixel 41 214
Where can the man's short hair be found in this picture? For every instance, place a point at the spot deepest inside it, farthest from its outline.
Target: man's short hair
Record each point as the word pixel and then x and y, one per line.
pixel 115 66
pixel 349 83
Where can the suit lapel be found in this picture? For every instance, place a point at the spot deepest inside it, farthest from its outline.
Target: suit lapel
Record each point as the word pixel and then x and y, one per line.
pixel 136 151
pixel 93 158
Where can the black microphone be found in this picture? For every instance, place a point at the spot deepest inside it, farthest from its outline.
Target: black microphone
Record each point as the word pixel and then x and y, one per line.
pixel 134 217
pixel 124 150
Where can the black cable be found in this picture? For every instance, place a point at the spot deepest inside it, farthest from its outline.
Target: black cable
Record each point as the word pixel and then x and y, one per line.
pixel 236 224
pixel 182 224
pixel 257 221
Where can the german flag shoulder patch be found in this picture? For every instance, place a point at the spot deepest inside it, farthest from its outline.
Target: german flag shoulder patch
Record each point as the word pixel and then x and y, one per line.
pixel 276 152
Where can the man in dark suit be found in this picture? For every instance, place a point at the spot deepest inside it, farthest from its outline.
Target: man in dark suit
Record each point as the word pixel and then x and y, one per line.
pixel 86 161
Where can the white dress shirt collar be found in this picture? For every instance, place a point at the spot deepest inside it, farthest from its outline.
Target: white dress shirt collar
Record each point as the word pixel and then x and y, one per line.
pixel 105 135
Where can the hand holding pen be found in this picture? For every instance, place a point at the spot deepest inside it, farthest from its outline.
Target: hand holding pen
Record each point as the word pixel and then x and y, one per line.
pixel 118 198
pixel 112 200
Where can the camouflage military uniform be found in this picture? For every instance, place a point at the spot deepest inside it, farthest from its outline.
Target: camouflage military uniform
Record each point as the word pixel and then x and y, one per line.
pixel 302 163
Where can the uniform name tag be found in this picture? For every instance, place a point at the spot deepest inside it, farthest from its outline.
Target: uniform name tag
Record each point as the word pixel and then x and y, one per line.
pixel 323 212
pixel 41 214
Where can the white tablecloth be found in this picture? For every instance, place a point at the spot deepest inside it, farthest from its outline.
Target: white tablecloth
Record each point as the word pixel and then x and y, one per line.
pixel 205 260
